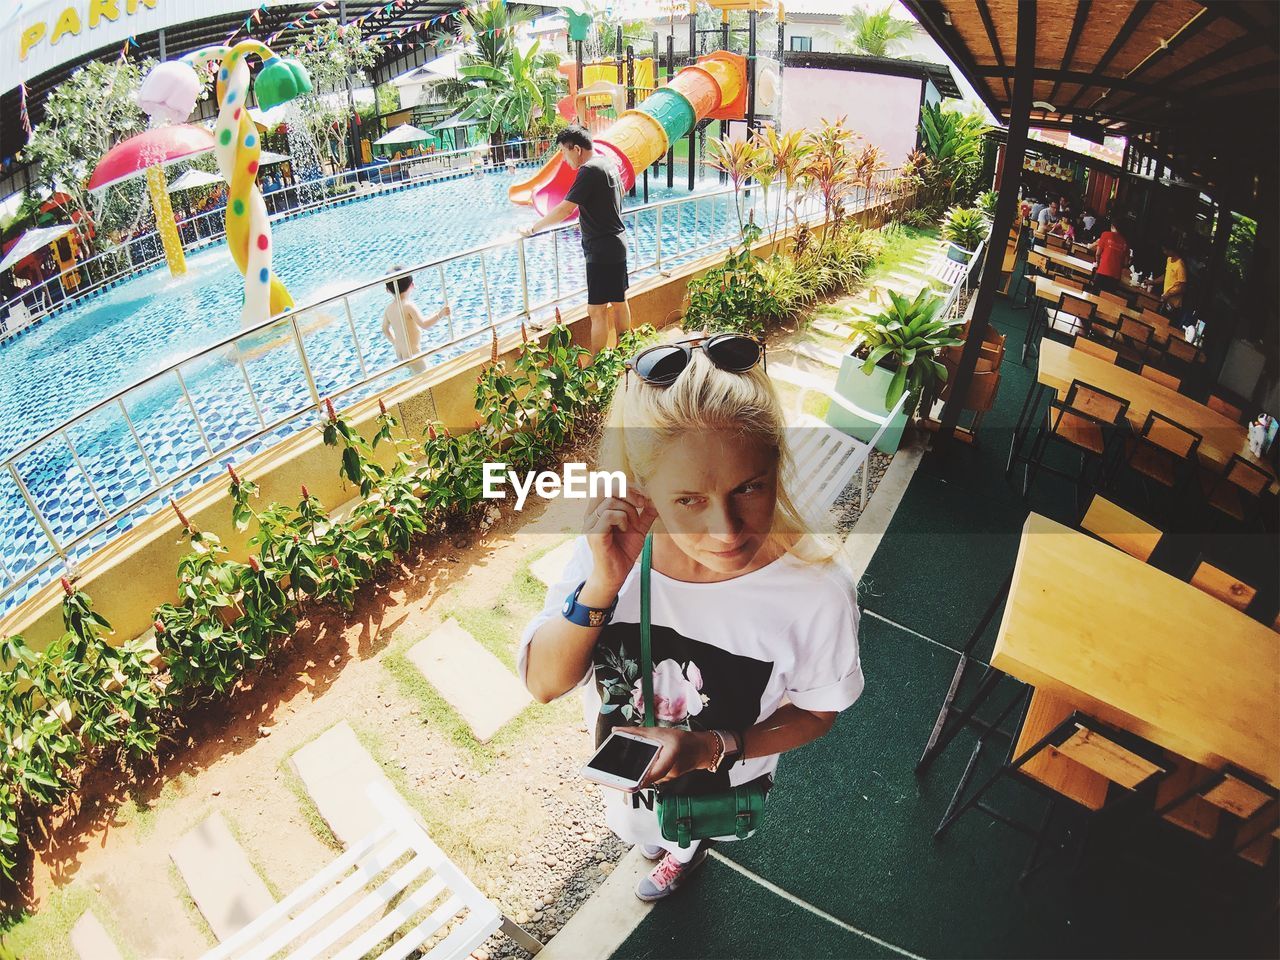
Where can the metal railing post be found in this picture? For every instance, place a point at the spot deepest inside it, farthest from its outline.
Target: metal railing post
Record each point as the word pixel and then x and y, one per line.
pixel 555 252
pixel 146 457
pixel 302 355
pixel 444 297
pixel 355 338
pixel 253 398
pixel 182 382
pixel 524 275
pixel 75 455
pixel 35 512
pixel 657 245
pixel 484 278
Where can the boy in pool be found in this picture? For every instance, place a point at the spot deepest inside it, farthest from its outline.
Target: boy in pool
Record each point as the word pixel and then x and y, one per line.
pixel 403 322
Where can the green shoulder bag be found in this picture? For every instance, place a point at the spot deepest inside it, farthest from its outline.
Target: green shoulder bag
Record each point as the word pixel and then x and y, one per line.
pixel 685 818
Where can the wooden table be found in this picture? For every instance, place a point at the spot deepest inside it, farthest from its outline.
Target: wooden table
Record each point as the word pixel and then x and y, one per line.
pixel 1221 436
pixel 1161 326
pixel 1133 647
pixel 1071 262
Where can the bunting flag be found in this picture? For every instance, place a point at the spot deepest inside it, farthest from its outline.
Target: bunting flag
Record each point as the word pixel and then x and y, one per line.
pixel 124 50
pixel 254 17
pixel 22 108
pixel 316 11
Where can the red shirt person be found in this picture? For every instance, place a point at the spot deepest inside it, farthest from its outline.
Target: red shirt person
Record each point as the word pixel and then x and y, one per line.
pixel 1112 251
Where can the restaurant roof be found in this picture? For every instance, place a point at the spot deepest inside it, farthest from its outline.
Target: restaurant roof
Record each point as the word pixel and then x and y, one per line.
pixel 1195 84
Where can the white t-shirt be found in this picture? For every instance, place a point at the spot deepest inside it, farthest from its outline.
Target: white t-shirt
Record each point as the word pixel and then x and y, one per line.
pixel 725 656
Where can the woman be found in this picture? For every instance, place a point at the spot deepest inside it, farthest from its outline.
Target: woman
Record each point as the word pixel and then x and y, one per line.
pixel 747 608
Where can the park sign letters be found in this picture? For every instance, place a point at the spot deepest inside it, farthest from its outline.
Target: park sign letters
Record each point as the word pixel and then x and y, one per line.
pixel 41 36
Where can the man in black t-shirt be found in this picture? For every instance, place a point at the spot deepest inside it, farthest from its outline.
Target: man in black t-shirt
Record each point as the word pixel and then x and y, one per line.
pixel 596 195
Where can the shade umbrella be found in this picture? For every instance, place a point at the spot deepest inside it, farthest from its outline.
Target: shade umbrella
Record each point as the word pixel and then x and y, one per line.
pixel 147 154
pixel 194 178
pixel 405 133
pixel 33 241
pixel 268 120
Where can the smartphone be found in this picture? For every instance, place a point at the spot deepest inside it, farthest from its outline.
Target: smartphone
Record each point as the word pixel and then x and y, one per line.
pixel 622 761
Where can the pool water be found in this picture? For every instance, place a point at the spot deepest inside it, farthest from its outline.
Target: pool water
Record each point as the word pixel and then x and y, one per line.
pixel 100 346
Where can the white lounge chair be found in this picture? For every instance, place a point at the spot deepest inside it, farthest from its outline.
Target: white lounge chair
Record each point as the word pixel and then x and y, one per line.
pixel 355 905
pixel 824 459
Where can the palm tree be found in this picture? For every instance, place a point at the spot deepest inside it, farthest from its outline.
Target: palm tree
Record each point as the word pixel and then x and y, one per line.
pixel 508 99
pixel 876 33
pixel 496 82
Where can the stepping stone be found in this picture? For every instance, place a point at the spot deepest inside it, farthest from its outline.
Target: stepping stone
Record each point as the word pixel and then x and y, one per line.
pixel 831 328
pixel 549 567
pixel 821 355
pixel 474 682
pixel 336 769
pixel 91 941
pixel 906 284
pixel 222 882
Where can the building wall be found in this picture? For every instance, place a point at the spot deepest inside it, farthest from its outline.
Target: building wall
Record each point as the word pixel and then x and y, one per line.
pixel 884 110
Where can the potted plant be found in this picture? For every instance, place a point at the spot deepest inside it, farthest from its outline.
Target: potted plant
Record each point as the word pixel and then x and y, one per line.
pixel 964 228
pixel 893 353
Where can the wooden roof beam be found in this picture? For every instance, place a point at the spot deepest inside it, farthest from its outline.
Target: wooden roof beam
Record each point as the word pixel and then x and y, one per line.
pixel 989 25
pixel 1131 23
pixel 1077 27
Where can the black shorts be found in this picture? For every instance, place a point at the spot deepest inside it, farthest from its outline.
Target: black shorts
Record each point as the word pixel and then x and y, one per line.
pixel 606 283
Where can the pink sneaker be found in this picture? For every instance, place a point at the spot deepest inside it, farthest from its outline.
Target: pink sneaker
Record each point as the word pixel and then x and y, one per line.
pixel 667 876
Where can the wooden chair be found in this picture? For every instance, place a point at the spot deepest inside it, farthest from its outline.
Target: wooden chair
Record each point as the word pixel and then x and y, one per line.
pixel 1147 301
pixel 1037 264
pixel 1236 491
pixel 1218 583
pixel 1121 529
pixel 1160 377
pixel 391 917
pixel 1208 803
pixel 1228 410
pixel 1162 450
pixel 1094 349
pixel 1116 298
pixel 1057 242
pixel 1072 315
pixel 1134 341
pixel 1086 421
pixel 1070 756
pixel 1066 280
pixel 1181 355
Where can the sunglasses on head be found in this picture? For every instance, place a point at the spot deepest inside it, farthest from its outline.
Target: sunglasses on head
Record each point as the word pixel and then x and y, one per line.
pixel 733 352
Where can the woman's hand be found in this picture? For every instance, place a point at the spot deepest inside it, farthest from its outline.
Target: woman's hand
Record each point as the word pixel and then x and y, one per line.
pixel 682 751
pixel 615 529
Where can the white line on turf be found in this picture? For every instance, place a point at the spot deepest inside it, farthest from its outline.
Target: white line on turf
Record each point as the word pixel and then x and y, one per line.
pixel 804 905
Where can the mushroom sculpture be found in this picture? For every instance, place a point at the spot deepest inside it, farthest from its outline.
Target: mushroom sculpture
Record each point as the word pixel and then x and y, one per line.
pixel 238 150
pixel 147 155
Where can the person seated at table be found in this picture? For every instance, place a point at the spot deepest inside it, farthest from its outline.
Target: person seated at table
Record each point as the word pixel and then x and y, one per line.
pixel 1036 206
pixel 1064 206
pixel 1047 217
pixel 1173 287
pixel 1063 228
pixel 1113 253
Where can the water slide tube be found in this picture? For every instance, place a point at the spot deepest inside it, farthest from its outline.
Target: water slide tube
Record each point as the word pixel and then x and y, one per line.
pixel 639 137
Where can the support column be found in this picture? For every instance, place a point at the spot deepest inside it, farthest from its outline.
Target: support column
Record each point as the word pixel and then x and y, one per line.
pixel 693 58
pixel 671 69
pixel 751 71
pixel 164 53
pixel 1010 175
pixel 166 226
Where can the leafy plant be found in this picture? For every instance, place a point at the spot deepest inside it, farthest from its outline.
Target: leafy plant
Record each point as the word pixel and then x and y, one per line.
pixel 906 338
pixel 966 227
pixel 986 202
pixel 953 144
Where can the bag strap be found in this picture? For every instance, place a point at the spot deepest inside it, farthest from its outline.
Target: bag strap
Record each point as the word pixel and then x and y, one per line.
pixel 646 652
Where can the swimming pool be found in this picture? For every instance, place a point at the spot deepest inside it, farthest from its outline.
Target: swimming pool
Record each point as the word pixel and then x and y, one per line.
pixel 101 345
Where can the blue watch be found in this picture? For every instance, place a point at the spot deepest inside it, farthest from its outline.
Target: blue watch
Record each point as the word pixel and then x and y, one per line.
pixel 585 616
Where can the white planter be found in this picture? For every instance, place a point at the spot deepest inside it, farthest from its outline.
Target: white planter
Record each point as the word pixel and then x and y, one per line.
pixel 867 392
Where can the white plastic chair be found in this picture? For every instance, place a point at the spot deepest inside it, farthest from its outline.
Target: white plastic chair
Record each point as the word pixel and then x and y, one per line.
pixel 345 913
pixel 824 459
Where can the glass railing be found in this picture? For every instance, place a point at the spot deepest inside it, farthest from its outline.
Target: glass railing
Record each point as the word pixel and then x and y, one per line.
pixel 70 491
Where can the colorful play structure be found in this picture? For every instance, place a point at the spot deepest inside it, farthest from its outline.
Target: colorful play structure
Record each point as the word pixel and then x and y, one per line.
pixel 714 88
pixel 168 96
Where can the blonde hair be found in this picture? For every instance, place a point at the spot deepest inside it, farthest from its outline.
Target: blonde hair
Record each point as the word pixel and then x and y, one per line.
pixel 644 419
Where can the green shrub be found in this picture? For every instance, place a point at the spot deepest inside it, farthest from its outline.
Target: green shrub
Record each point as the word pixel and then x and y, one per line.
pixel 966 227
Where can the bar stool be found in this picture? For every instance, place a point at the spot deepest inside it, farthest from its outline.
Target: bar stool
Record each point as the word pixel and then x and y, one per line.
pixel 1037 264
pixel 1133 343
pixel 1228 410
pixel 1223 586
pixel 1073 315
pixel 1159 376
pixel 1087 422
pixel 1120 528
pixel 1095 349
